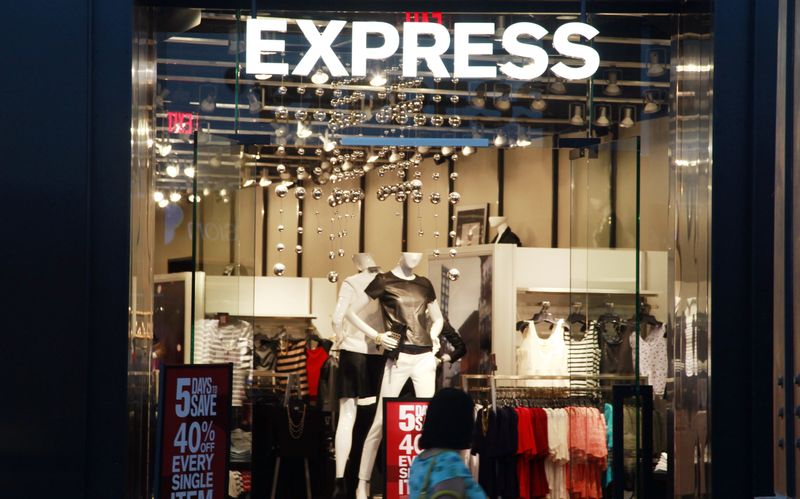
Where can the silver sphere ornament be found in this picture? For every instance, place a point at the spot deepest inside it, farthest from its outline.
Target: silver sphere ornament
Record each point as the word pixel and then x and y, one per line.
pixel 437 98
pixel 281 191
pixel 453 252
pixel 319 230
pixel 280 228
pixel 437 120
pixel 455 121
pixel 341 252
pixel 435 198
pixel 320 115
pixel 453 274
pixel 300 230
pixel 436 233
pixel 298 249
pixel 454 197
pixel 278 269
pixel 420 233
pixel 436 252
pixel 319 92
pixel 282 90
pixel 331 254
pixel 454 99
pixel 453 176
pixel 280 247
pixel 316 193
pixel 333 276
pixel 435 176
pixel 452 234
pixel 420 120
pixel 300 192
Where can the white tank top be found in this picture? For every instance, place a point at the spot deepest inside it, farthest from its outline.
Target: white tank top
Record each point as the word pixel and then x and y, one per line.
pixel 543 353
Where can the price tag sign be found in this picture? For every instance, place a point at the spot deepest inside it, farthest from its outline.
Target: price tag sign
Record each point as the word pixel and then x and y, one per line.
pixel 194 431
pixel 402 428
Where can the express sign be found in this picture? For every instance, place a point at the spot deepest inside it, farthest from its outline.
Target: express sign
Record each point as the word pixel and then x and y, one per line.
pixel 321 48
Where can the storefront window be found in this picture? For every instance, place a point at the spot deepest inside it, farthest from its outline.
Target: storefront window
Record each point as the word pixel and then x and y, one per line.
pixel 517 163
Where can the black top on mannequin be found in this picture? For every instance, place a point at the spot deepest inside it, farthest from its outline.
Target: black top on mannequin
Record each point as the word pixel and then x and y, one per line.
pixel 507 237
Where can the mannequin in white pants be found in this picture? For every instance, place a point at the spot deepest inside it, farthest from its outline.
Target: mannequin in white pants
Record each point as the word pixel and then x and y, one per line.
pixel 352 345
pixel 419 367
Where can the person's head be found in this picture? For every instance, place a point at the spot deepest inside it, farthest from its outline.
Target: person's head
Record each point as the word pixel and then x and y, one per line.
pixel 448 422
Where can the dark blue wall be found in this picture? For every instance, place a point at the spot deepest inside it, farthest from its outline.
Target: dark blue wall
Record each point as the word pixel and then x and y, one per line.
pixel 65 141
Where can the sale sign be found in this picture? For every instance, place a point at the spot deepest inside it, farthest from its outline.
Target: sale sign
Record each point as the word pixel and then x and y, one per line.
pixel 194 431
pixel 402 428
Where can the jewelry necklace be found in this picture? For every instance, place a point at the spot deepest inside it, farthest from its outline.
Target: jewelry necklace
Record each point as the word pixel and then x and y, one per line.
pixel 296 429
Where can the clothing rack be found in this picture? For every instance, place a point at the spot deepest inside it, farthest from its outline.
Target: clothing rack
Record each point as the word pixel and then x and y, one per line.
pixel 494 378
pixel 272 382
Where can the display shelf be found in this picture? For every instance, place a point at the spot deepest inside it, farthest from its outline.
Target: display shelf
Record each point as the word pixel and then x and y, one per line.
pixel 590 291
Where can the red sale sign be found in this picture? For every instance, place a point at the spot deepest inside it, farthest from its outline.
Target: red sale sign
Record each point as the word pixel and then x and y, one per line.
pixel 402 427
pixel 194 431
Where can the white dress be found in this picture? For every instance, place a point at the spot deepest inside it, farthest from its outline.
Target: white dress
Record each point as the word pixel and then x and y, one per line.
pixel 543 352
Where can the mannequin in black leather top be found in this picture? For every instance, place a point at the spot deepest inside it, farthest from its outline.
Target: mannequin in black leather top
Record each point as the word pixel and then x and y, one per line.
pixel 504 234
pixel 407 300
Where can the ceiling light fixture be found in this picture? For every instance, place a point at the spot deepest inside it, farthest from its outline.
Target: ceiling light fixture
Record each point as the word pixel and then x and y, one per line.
pixel 158 196
pixel 602 117
pixel 650 104
pixel 172 170
pixel 500 139
pixel 303 131
pixel 174 196
pixel 378 79
pixel 263 77
pixel 503 101
pixel 447 151
pixel 189 171
pixel 557 87
pixel 248 182
pixel 538 103
pixel 164 147
pixel 467 150
pixel 576 116
pixel 194 199
pixel 478 100
pixel 627 120
pixel 320 77
pixel 163 203
pixel 655 68
pixel 264 181
pixel 612 88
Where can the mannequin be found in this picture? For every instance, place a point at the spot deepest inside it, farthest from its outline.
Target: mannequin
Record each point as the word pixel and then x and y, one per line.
pixel 504 234
pixel 409 300
pixel 360 362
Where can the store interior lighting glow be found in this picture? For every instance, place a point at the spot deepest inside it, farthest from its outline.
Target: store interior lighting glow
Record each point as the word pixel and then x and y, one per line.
pixel 447 151
pixel 206 191
pixel 223 192
pixel 650 105
pixel 248 182
pixel 253 102
pixel 378 80
pixel 264 181
pixel 158 196
pixel 467 150
pixel 558 88
pixel 164 147
pixel 503 101
pixel 189 171
pixel 612 88
pixel 577 116
pixel 194 199
pixel 394 157
pixel 163 203
pixel 423 149
pixel 263 77
pixel 303 131
pixel 172 170
pixel 500 139
pixel 174 196
pixel 320 77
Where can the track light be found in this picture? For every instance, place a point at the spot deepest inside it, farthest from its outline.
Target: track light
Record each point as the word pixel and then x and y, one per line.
pixel 253 102
pixel 394 157
pixel 655 68
pixel 557 87
pixel 650 104
pixel 612 88
pixel 303 131
pixel 263 77
pixel 538 103
pixel 248 182
pixel 576 116
pixel 194 199
pixel 264 181
pixel 164 147
pixel 602 118
pixel 174 196
pixel 189 171
pixel 158 196
pixel 467 150
pixel 423 149
pixel 328 145
pixel 172 170
pixel 500 139
pixel 163 203
pixel 503 101
pixel 206 191
pixel 627 120
pixel 478 100
pixel 223 192
pixel 320 77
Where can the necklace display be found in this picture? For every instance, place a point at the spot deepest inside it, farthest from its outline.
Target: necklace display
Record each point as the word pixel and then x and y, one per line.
pixel 296 429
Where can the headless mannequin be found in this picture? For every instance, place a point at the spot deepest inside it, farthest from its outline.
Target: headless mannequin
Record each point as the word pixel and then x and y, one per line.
pixel 354 342
pixel 424 387
pixel 499 224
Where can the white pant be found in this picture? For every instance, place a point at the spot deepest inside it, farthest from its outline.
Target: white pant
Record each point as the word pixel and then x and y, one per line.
pixel 421 369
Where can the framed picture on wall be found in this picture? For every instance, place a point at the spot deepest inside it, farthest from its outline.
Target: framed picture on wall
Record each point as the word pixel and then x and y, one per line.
pixel 471 224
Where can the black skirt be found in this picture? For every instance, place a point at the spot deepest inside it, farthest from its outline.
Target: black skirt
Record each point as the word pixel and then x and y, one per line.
pixel 359 375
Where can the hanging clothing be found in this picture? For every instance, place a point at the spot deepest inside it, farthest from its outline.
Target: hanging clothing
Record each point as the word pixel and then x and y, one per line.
pixel 652 358
pixel 584 356
pixel 543 351
pixel 315 358
pixel 292 360
pixel 232 342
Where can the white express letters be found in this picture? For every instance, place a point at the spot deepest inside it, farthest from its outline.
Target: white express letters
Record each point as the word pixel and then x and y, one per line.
pixel 513 43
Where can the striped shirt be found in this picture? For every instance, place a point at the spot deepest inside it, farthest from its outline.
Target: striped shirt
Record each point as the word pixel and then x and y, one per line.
pixel 292 360
pixel 584 357
pixel 233 342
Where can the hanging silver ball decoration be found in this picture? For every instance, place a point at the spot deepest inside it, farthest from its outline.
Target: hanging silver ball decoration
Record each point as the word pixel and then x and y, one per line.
pixel 333 276
pixel 436 252
pixel 301 151
pixel 332 201
pixel 436 233
pixel 435 198
pixel 454 99
pixel 281 191
pixel 282 113
pixel 278 269
pixel 280 247
pixel 453 252
pixel 300 230
pixel 452 234
pixel 320 115
pixel 301 90
pixel 437 98
pixel 319 230
pixel 400 196
pixel 453 274
pixel 341 252
pixel 420 119
pixel 416 196
pixel 281 168
pixel 420 233
pixel 298 249
pixel 301 115
pixel 437 156
pixel 435 175
pixel 455 121
pixel 453 176
pixel 331 254
pixel 300 192
pixel 316 192
pixel 331 236
pixel 454 197
pixel 280 228
pixel 319 92
pixel 437 120
pixel 282 90
pixel 383 115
